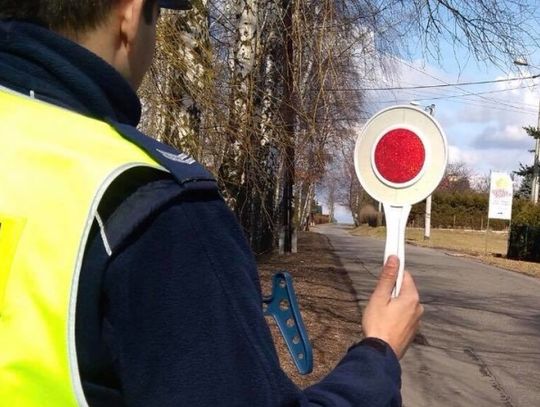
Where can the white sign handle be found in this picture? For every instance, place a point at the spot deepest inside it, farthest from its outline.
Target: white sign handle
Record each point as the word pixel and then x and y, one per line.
pixel 396 222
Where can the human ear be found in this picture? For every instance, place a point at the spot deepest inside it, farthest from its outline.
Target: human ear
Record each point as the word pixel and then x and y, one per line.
pixel 130 13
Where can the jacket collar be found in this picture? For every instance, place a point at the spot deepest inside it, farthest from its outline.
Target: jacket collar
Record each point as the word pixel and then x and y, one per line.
pixel 47 66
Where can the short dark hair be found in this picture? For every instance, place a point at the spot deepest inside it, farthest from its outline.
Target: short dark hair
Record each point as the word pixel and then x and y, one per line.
pixel 72 16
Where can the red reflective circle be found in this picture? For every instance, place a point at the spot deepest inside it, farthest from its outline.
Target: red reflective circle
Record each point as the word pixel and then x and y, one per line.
pixel 399 156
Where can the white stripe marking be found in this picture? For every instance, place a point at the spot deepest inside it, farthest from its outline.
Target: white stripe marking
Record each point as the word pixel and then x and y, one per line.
pixel 72 351
pixel 103 234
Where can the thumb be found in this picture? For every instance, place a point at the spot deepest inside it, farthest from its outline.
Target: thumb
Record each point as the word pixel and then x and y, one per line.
pixel 388 277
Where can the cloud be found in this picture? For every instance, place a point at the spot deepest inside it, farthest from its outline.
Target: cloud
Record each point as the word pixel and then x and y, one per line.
pixel 469 157
pixel 504 137
pixel 496 159
pixel 513 102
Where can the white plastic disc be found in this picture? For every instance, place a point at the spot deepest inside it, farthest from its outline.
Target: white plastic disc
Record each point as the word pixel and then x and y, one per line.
pixel 401 155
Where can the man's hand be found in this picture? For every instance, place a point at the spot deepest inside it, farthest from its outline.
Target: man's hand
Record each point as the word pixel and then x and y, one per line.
pixel 394 320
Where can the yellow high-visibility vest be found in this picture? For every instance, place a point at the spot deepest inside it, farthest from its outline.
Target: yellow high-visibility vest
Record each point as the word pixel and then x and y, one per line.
pixel 55 166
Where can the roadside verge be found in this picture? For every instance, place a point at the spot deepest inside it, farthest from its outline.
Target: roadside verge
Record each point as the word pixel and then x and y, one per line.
pixel 327 302
pixel 469 243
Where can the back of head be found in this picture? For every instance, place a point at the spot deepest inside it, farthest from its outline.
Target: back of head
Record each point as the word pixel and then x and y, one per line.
pixel 70 17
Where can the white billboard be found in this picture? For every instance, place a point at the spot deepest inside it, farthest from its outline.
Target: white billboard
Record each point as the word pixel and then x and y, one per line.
pixel 500 196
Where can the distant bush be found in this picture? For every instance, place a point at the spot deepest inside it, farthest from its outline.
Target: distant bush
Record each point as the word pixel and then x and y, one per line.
pixel 456 209
pixel 526 213
pixel 368 214
pixel 463 210
pixel 524 240
pixel 469 210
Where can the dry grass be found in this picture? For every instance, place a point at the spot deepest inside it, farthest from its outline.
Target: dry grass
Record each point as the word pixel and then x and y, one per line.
pixel 326 299
pixel 469 242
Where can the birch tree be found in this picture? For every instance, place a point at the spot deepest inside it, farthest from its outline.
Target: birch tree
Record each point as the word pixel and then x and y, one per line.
pixel 180 85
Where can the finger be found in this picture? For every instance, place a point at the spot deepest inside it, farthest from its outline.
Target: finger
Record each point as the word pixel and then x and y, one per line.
pixel 388 277
pixel 408 286
pixel 420 310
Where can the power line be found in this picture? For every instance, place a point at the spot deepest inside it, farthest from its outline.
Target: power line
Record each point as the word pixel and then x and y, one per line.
pixel 489 106
pixel 467 98
pixel 487 102
pixel 499 103
pixel 492 105
pixel 469 94
pixel 444 85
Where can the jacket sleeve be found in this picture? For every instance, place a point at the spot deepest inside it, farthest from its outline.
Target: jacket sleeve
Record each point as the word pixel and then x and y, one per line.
pixel 184 325
pixel 368 375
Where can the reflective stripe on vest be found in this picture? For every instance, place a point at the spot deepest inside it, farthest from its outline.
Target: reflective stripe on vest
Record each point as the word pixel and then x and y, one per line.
pixel 55 166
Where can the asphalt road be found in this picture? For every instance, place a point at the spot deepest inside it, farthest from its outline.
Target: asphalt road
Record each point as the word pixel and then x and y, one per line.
pixel 479 343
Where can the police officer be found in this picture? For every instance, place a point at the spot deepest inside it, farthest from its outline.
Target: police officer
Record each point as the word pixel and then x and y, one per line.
pixel 124 278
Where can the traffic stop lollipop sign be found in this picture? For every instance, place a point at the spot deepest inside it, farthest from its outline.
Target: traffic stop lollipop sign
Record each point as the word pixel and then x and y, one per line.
pixel 400 158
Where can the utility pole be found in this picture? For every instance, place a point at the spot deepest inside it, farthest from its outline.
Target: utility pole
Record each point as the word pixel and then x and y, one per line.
pixel 427 218
pixel 535 185
pixel 427 215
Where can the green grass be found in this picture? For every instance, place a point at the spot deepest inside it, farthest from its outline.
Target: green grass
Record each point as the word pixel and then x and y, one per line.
pixel 466 241
pixel 469 242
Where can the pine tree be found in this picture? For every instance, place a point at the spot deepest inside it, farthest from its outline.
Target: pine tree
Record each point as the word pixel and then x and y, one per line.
pixel 527 171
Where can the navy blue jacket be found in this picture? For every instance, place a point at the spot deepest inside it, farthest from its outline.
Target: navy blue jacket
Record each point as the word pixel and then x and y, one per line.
pixel 169 311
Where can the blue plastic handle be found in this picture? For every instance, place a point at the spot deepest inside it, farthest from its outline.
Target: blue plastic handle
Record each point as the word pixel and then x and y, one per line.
pixel 283 307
